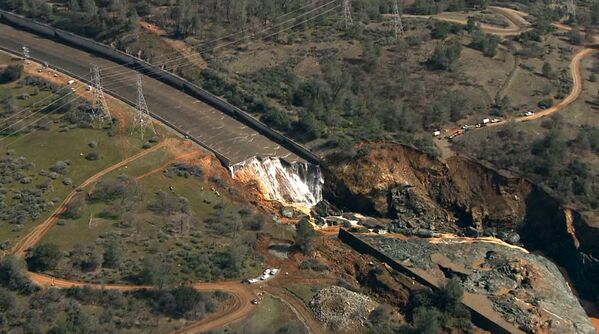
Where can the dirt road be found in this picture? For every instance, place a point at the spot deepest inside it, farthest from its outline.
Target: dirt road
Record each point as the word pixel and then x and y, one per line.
pixel 575 93
pixel 237 308
pixel 517 23
pixel 38 232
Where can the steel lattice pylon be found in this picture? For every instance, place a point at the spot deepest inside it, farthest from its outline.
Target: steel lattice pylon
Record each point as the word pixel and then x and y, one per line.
pixel 397 22
pixel 142 116
pixel 347 13
pixel 101 111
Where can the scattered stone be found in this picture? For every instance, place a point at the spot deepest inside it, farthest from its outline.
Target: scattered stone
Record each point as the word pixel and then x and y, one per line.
pixel 339 221
pixel 525 289
pixel 324 209
pixel 425 233
pixel 339 307
pixel 471 232
pixel 288 212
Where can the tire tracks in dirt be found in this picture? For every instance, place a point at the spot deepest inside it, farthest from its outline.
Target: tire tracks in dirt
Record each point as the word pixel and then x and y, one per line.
pixel 236 308
pixel 38 232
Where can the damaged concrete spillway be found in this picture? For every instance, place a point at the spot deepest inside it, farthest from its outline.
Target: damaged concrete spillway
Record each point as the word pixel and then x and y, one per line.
pixel 297 183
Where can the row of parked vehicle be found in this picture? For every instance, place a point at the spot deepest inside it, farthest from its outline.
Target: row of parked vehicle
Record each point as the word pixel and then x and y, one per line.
pixel 267 274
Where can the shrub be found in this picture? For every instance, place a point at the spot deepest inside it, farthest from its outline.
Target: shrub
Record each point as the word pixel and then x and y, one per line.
pixel 12 277
pixel 168 204
pixel 92 156
pixel 85 258
pixel 116 188
pixel 74 208
pixel 256 223
pixel 304 235
pixel 313 264
pixel 11 73
pixel 43 257
pixel 60 167
pixel 546 103
pixel 445 55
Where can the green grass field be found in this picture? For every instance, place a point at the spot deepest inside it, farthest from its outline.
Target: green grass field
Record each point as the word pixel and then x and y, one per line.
pixel 43 148
pixel 271 316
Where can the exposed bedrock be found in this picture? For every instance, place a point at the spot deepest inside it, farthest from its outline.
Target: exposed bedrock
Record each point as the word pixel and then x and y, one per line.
pixel 419 192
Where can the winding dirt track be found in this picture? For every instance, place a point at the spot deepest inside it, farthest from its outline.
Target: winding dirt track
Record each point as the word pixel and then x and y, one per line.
pixel 517 25
pixel 575 93
pixel 37 233
pixel 236 308
pixel 239 306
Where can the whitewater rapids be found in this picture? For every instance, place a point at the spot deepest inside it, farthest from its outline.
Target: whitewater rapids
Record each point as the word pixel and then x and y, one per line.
pixel 293 183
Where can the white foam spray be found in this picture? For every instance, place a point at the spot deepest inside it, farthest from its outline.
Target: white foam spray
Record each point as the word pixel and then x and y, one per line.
pixel 295 183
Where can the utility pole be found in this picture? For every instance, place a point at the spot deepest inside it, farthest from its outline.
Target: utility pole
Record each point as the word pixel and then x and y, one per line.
pixel 142 117
pixel 397 23
pixel 347 13
pixel 101 111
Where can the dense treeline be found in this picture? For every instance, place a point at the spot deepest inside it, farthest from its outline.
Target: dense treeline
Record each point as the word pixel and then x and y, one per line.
pixel 26 308
pixel 552 159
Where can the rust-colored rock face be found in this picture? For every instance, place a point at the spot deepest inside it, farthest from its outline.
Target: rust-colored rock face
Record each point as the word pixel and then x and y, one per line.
pixel 394 181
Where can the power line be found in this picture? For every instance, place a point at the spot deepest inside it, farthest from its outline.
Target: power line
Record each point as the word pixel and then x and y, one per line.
pixel 142 116
pixel 397 22
pixel 134 66
pixel 101 112
pixel 122 80
pixel 347 13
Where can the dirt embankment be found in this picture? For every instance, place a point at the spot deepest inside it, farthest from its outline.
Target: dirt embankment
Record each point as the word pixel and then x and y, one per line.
pixel 417 191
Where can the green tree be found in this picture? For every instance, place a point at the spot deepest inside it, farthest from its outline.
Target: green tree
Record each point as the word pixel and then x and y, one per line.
pixel 547 70
pixel 575 36
pixel 43 257
pixel 112 253
pixel 11 73
pixel 85 258
pixel 445 55
pixel 7 300
pixel 12 276
pixel 440 30
pixel 156 273
pixel 74 5
pixel 304 236
pixel 89 7
pixel 186 299
pixel 74 208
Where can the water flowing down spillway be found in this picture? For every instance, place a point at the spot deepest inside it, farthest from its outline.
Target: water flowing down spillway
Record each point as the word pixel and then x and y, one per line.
pixel 297 183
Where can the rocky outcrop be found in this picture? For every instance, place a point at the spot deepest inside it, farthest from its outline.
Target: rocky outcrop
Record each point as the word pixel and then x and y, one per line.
pixel 524 289
pixel 463 196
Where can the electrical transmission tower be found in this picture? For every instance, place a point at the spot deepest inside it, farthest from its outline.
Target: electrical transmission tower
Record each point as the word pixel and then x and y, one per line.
pixel 101 112
pixel 397 23
pixel 347 13
pixel 571 8
pixel 142 117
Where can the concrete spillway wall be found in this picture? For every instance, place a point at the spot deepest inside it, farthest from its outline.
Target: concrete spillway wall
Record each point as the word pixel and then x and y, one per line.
pixel 164 76
pixel 491 322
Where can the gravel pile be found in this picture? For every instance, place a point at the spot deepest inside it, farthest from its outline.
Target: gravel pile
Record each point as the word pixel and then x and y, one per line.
pixel 338 307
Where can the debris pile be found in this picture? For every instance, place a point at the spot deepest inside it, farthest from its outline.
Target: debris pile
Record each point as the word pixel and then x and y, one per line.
pixel 339 308
pixel 525 289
